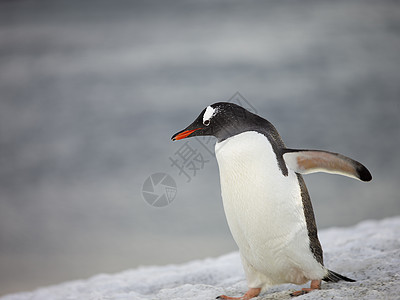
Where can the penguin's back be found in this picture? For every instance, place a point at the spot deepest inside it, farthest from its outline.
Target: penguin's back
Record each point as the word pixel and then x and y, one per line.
pixel 264 209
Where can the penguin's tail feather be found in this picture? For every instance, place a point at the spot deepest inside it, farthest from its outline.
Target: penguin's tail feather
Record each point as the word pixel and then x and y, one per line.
pixel 335 277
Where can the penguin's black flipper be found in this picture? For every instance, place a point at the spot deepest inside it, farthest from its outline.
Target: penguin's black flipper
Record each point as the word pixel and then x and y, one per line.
pixel 335 277
pixel 312 161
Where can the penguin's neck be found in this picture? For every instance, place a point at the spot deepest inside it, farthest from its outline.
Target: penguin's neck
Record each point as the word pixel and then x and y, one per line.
pixel 245 156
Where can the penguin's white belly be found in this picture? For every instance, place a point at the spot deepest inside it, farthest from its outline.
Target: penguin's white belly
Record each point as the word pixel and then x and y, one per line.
pixel 265 213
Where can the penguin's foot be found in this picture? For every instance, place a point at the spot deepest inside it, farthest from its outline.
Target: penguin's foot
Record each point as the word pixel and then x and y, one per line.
pixel 315 285
pixel 251 293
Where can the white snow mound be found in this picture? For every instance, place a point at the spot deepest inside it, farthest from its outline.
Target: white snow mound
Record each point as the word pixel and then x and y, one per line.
pixel 368 252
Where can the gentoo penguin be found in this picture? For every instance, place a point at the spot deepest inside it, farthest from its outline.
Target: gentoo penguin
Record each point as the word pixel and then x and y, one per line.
pixel 265 199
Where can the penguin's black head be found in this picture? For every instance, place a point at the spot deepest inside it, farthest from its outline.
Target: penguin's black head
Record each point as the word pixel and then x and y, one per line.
pixel 222 120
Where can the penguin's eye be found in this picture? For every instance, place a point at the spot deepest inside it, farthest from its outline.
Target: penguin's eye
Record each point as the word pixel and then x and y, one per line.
pixel 206 122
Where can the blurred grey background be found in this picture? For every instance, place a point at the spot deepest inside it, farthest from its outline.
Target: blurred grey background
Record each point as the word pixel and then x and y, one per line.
pixel 91 92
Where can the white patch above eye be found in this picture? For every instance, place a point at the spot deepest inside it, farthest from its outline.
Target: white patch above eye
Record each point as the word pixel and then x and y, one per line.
pixel 209 113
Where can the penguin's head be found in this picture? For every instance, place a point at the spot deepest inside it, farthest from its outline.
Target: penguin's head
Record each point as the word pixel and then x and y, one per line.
pixel 222 120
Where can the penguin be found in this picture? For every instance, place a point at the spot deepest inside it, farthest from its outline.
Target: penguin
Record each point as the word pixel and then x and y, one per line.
pixel 265 198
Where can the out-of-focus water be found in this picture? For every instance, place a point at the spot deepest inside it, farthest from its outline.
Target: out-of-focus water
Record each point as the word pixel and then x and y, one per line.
pixel 91 92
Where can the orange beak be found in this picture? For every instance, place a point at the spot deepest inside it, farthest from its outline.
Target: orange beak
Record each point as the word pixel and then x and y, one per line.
pixel 183 134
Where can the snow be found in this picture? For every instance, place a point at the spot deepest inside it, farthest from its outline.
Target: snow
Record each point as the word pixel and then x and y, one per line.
pixel 368 252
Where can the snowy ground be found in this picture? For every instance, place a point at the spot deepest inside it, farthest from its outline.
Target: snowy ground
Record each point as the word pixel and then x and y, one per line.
pixel 368 252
